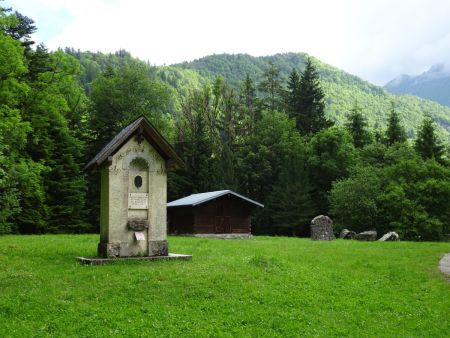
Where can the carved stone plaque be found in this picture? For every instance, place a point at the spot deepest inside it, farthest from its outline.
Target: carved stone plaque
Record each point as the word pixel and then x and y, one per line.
pixel 137 224
pixel 137 200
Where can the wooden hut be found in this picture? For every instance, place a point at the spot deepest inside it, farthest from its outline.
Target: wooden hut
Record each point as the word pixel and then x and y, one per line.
pixel 215 212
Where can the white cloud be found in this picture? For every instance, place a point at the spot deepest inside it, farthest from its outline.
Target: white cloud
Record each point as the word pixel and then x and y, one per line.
pixel 376 40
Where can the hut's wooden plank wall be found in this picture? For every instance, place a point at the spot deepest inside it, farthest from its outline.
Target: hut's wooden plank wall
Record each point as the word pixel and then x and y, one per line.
pixel 226 214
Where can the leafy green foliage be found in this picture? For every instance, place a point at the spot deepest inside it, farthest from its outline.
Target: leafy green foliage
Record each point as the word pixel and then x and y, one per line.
pixel 416 199
pixel 119 96
pixel 42 188
pixel 21 30
pixel 12 140
pixel 400 193
pixel 340 88
pixel 262 159
pixel 197 140
pixel 54 145
pixel 353 200
pixel 332 157
pixel 95 64
pixel 15 168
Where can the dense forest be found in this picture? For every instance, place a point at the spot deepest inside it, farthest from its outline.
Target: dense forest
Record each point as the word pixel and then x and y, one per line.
pixel 288 131
pixel 341 89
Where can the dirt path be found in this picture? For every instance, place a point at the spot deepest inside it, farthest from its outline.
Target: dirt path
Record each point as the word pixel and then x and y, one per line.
pixel 444 266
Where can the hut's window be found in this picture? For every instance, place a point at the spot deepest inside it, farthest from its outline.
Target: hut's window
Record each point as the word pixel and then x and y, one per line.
pixel 138 181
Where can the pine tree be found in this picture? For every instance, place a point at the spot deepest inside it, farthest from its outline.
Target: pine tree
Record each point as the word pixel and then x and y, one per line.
pixel 22 31
pixel 395 132
pixel 290 202
pixel 292 97
pixel 54 145
pixel 20 177
pixel 427 143
pixel 272 89
pixel 357 126
pixel 38 62
pixel 247 106
pixel 198 143
pixel 310 111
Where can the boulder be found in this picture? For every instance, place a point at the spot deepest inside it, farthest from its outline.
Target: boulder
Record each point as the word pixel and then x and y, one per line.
pixel 390 236
pixel 366 236
pixel 322 228
pixel 347 234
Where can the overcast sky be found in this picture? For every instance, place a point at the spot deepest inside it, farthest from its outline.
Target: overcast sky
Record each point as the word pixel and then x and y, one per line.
pixel 374 39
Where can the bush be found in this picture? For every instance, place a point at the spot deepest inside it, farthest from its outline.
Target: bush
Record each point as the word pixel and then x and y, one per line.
pixel 410 197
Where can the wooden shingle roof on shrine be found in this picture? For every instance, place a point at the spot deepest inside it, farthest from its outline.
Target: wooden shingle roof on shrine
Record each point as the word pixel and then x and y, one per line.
pixel 141 127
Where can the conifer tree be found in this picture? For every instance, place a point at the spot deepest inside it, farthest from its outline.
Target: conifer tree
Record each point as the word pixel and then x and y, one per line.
pixel 357 126
pixel 54 145
pixel 272 89
pixel 395 132
pixel 22 31
pixel 193 144
pixel 228 129
pixel 292 97
pixel 310 110
pixel 20 177
pixel 427 143
pixel 247 106
pixel 290 202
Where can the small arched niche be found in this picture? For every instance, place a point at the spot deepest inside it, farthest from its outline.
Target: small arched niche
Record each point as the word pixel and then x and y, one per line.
pixel 139 164
pixel 138 170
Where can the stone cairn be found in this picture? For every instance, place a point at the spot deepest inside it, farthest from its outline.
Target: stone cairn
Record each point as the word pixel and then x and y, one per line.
pixel 322 228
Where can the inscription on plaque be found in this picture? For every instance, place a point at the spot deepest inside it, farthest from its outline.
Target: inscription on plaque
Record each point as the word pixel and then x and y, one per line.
pixel 137 200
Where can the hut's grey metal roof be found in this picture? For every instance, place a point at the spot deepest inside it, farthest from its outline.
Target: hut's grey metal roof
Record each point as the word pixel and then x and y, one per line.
pixel 196 199
pixel 141 124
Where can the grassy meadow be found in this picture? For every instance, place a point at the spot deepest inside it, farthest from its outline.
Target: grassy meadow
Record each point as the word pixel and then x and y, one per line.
pixel 263 287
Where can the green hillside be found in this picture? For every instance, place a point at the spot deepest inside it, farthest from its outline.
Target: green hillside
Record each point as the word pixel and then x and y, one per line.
pixel 342 90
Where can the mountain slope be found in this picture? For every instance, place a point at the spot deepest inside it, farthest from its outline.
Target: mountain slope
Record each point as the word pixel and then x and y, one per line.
pixel 433 84
pixel 342 90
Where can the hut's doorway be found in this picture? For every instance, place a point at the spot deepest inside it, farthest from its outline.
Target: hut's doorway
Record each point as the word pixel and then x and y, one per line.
pixel 223 224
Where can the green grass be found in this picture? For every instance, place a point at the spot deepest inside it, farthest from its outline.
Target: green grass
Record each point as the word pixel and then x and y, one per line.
pixel 263 287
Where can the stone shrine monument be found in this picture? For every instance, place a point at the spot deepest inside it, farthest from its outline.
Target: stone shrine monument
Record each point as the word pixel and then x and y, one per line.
pixel 133 168
pixel 322 228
